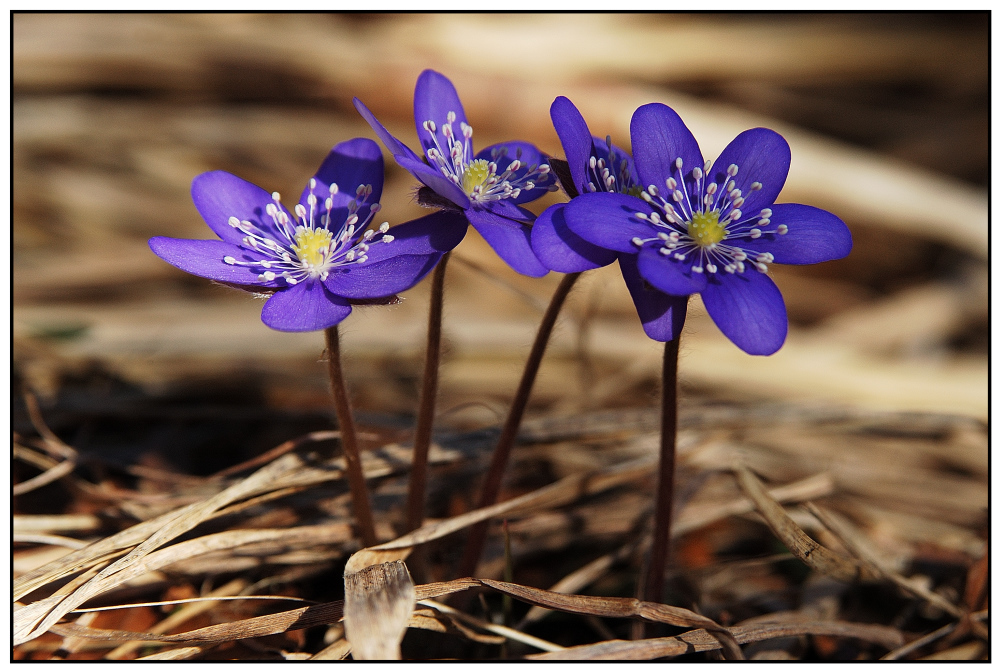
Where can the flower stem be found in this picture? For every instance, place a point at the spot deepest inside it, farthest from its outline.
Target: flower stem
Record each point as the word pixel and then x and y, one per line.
pixel 428 397
pixel 660 551
pixel 494 477
pixel 349 440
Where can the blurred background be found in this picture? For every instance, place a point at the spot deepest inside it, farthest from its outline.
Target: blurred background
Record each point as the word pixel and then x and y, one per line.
pixel 886 114
pixel 158 378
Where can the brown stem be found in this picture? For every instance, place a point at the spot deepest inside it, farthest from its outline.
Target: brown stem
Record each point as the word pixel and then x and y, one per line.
pixel 349 440
pixel 660 551
pixel 428 397
pixel 494 477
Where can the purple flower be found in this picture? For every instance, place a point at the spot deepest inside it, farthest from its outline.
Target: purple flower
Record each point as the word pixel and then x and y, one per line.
pixel 320 259
pixel 711 228
pixel 597 166
pixel 487 187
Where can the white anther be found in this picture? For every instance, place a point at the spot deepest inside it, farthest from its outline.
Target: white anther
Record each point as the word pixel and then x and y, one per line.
pixel 671 183
pixel 267 275
pixel 654 217
pixel 680 257
pixel 289 279
pixel 275 196
pixel 641 215
pixel 662 235
pixel 712 188
pixel 229 260
pixel 653 191
pixel 383 227
pixel 674 236
pixel 637 241
pixel 514 166
pixel 740 267
pixel 528 186
pixel 349 256
pixel 351 221
pixel 235 222
pixel 763 222
pixel 375 207
pixel 368 234
pixel 592 188
pixel 679 163
pixel 708 199
pixel 544 169
pixel 328 203
pixel 766 213
pixel 708 165
pixel 678 196
pixel 697 269
pixel 430 126
pixel 711 268
pixel 738 202
pixel 311 198
pixel 334 189
pixel 755 233
pixel 451 117
pixel 697 173
pixel 265 264
pixel 732 170
pixel 735 214
pixel 782 229
pixel 664 251
pixel 300 211
pixel 761 267
pixel 756 186
pixel 645 195
pixel 739 255
pixel 271 209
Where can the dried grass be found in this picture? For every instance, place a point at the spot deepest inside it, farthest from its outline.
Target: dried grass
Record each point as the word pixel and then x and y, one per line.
pixel 833 499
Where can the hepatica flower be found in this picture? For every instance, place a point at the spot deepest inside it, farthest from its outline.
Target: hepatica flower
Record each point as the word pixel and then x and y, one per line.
pixel 711 227
pixel 320 257
pixel 598 167
pixel 488 187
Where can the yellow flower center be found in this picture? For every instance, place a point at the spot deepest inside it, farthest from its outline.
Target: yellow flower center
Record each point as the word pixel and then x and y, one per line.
pixel 475 175
pixel 312 245
pixel 705 230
